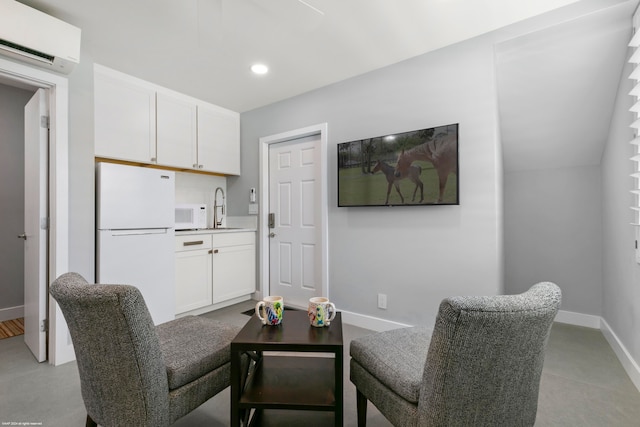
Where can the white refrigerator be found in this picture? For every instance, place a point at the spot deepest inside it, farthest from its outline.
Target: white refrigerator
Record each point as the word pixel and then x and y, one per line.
pixel 135 220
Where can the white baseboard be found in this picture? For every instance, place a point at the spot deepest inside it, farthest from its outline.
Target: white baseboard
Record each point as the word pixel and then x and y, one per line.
pixel 629 365
pixel 369 322
pixel 597 322
pixel 578 319
pixel 377 324
pixel 11 313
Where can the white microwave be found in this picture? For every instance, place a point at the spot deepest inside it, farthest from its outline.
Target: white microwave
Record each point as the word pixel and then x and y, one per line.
pixel 191 216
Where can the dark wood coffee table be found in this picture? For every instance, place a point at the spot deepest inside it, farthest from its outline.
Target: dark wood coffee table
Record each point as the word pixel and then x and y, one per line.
pixel 287 389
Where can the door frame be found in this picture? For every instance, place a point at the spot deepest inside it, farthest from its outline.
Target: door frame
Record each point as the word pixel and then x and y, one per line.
pixel 263 216
pixel 60 349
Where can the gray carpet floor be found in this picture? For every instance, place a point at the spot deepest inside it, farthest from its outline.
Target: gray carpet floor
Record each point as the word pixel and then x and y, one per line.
pixel 583 384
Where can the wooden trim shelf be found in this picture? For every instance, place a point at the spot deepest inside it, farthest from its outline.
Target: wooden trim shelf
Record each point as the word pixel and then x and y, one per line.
pixel 154 166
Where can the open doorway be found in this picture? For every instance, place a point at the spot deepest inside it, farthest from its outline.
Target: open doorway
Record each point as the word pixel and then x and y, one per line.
pixel 23 172
pixel 12 102
pixel 60 349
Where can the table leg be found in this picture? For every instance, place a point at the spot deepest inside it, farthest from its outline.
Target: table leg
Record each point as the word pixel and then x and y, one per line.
pixel 339 370
pixel 236 381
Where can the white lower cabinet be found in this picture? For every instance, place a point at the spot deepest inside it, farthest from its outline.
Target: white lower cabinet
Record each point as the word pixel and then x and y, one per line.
pixel 234 265
pixel 212 269
pixel 193 272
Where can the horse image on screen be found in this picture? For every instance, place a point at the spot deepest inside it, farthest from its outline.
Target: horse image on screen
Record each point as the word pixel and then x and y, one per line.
pixel 414 168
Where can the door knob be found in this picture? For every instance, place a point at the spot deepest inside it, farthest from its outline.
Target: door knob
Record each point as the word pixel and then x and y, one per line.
pixel 22 236
pixel 272 234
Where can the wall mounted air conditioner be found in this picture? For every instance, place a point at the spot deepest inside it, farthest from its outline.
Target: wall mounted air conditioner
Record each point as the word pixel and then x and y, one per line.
pixel 37 38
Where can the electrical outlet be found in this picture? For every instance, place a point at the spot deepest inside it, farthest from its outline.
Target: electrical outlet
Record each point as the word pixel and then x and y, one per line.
pixel 382 301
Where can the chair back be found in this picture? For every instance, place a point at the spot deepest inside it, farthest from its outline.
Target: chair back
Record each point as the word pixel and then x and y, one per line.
pixel 122 375
pixel 485 359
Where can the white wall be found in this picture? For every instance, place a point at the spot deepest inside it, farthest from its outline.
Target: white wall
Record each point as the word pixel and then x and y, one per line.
pixel 553 231
pixel 81 170
pixel 621 274
pixel 415 255
pixel 200 188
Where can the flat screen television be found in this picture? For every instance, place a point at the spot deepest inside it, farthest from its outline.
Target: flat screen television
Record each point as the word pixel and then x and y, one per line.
pixel 414 168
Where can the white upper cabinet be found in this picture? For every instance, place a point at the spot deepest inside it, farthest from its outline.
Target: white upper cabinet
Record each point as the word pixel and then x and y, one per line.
pixel 177 137
pixel 124 118
pixel 218 139
pixel 139 122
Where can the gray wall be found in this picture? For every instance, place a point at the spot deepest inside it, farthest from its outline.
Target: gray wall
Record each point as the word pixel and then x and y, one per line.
pixel 12 102
pixel 621 274
pixel 415 255
pixel 553 231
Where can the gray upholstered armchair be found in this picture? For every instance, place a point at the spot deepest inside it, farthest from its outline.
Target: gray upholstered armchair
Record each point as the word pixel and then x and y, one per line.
pixel 482 367
pixel 133 373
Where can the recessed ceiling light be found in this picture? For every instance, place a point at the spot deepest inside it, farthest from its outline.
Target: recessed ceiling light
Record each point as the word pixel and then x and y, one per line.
pixel 259 69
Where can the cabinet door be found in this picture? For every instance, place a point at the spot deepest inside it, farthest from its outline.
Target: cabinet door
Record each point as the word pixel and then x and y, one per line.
pixel 176 131
pixel 193 280
pixel 234 272
pixel 218 139
pixel 124 119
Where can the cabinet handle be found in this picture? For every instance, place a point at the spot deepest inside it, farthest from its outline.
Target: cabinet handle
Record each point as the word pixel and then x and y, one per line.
pixel 195 165
pixel 215 251
pixel 210 251
pixel 200 166
pixel 195 242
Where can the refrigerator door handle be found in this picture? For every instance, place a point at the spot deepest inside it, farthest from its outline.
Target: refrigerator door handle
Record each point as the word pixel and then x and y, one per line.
pixel 139 231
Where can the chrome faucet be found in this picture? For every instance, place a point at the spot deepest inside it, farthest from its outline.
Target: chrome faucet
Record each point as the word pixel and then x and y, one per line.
pixel 217 220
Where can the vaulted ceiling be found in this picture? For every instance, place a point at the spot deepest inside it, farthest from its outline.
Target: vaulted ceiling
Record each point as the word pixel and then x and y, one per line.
pixel 557 88
pixel 205 47
pixel 555 84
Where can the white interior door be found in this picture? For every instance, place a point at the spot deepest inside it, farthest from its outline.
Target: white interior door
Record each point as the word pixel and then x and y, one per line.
pixel 295 249
pixel 36 137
